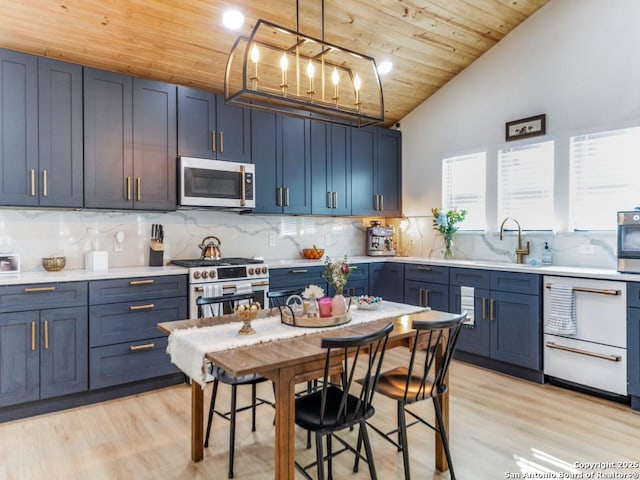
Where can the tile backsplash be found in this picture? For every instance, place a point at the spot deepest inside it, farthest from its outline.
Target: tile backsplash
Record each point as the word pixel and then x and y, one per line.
pixel 37 233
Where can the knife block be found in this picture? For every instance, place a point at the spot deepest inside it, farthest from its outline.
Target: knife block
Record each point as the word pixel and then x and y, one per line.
pixel 156 257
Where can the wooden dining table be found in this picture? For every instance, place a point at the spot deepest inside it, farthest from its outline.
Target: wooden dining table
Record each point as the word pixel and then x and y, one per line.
pixel 286 363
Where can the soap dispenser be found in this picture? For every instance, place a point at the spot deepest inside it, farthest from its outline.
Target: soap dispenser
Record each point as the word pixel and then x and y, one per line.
pixel 547 256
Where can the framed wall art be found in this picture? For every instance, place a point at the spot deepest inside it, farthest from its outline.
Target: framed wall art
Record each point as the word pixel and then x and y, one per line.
pixel 526 127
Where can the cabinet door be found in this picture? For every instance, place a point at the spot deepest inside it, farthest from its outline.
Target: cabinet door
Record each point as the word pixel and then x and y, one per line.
pixel 264 155
pixel 18 129
pixel 633 350
pixel 64 363
pixel 196 123
pixel 386 281
pixel 516 330
pixel 339 147
pixel 434 295
pixel 296 278
pixel 388 172
pixel 108 147
pixel 294 163
pixel 233 132
pixel 321 187
pixel 19 357
pixel 474 338
pixel 363 159
pixel 60 133
pixel 154 139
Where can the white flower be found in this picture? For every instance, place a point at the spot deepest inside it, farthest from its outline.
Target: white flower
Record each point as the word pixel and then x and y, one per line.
pixel 313 291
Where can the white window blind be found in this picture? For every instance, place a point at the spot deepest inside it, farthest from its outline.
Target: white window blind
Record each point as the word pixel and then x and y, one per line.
pixel 525 185
pixel 604 177
pixel 464 186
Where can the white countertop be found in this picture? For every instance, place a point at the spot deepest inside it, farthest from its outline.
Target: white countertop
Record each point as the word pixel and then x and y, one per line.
pixel 596 273
pixel 83 275
pixel 144 271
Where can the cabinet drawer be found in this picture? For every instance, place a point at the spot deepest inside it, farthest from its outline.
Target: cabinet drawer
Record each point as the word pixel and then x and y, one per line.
pixel 296 277
pixel 516 282
pixel 137 289
pixel 39 296
pixel 633 295
pixel 359 272
pixel 129 362
pixel 427 273
pixel 132 321
pixel 470 277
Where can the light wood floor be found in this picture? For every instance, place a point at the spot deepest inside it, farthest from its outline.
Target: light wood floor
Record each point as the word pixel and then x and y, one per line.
pixel 499 425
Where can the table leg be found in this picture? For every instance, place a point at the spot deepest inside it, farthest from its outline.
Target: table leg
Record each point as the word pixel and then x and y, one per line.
pixel 197 418
pixel 285 417
pixel 441 457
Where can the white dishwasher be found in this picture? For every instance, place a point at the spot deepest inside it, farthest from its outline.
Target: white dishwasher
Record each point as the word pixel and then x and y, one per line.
pixel 596 357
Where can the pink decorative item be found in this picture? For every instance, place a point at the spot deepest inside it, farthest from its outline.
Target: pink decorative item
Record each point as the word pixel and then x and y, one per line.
pixel 324 304
pixel 338 305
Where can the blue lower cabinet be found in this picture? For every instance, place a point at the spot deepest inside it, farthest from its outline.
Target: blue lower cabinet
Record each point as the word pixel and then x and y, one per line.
pixel 129 362
pixel 633 355
pixel 507 323
pixel 43 353
pixel 386 280
pixel 424 294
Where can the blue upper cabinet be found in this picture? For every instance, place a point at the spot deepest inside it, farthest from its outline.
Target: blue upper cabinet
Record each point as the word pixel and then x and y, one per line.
pixel 330 169
pixel 209 128
pixel 41 159
pixel 376 172
pixel 280 152
pixel 130 142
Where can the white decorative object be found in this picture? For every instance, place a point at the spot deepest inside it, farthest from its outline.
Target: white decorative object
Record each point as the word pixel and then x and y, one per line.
pixel 96 261
pixel 9 263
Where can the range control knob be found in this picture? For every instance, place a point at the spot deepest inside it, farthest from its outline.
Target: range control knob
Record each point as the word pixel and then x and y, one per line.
pixel 196 275
pixel 212 274
pixel 264 270
pixel 205 274
pixel 250 270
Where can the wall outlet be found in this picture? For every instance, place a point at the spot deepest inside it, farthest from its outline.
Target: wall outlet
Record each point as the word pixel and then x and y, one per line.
pixel 272 239
pixel 587 249
pixel 327 240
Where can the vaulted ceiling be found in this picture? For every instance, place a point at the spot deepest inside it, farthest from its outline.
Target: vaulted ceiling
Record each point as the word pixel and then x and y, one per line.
pixel 184 42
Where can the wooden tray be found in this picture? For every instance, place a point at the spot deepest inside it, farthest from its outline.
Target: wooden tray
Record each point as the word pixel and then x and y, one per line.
pixel 288 317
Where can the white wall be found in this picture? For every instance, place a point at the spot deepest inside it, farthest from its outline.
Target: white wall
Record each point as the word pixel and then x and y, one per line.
pixel 576 61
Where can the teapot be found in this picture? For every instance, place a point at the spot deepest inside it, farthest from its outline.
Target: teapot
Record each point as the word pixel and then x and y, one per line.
pixel 211 250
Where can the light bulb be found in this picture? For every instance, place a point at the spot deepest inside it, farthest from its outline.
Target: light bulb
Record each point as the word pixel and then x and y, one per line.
pixel 357 83
pixel 284 62
pixel 310 69
pixel 255 54
pixel 335 76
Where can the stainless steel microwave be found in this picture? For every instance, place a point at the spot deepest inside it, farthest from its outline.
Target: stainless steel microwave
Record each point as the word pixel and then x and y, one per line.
pixel 215 183
pixel 629 241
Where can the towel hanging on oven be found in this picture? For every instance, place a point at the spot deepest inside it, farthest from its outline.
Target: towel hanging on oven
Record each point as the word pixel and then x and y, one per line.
pixel 562 310
pixel 212 290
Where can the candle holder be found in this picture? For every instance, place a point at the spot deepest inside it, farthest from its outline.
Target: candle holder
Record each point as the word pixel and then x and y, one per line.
pixel 246 313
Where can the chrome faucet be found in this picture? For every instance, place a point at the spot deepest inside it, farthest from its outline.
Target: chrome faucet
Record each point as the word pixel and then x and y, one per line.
pixel 520 252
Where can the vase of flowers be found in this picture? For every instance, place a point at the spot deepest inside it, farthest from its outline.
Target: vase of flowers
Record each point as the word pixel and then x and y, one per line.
pixel 311 295
pixel 446 222
pixel 337 273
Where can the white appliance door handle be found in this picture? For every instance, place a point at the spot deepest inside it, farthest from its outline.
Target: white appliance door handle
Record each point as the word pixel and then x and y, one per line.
pixel 611 358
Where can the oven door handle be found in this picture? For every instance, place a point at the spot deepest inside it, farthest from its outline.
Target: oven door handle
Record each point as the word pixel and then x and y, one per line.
pixel 611 358
pixel 233 285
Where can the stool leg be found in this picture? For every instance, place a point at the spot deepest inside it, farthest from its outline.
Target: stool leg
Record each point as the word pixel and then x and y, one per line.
pixel 443 435
pixel 253 407
pixel 329 458
pixel 212 406
pixel 319 456
pixel 402 426
pixel 367 449
pixel 232 429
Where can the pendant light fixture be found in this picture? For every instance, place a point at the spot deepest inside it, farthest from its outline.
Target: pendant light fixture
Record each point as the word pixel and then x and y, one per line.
pixel 282 70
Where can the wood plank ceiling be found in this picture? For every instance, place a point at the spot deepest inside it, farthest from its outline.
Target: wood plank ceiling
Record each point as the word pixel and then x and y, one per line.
pixel 184 42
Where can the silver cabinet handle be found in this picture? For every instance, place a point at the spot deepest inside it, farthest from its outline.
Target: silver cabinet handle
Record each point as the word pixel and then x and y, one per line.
pixel 300 270
pixel 213 141
pixel 33 182
pixel 611 358
pixel 335 199
pixel 286 196
pixel 381 203
pixel 330 199
pixel 221 142
pixel 44 183
pixel 138 188
pixel 279 200
pixel 484 308
pixel 128 188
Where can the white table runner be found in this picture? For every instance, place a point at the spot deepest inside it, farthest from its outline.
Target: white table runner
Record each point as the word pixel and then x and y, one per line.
pixel 187 347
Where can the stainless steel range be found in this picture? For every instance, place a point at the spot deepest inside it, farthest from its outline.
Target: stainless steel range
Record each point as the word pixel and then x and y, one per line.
pixel 226 276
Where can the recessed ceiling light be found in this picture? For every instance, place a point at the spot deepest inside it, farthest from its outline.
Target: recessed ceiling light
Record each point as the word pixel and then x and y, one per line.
pixel 233 19
pixel 385 67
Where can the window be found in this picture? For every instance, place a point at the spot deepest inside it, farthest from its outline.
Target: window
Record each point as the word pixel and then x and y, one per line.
pixel 464 185
pixel 604 177
pixel 525 185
